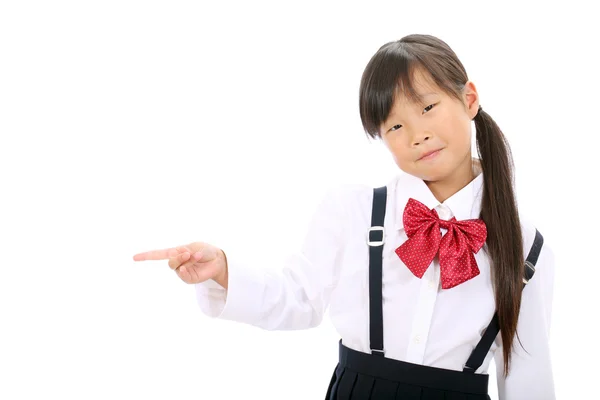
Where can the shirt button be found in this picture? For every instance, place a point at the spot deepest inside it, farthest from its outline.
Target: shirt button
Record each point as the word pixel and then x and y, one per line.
pixel 431 284
pixel 417 339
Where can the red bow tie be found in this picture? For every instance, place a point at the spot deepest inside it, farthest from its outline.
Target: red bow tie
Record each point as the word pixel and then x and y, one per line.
pixel 456 248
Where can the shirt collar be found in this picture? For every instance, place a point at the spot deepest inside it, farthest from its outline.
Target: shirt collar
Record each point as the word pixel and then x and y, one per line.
pixel 464 204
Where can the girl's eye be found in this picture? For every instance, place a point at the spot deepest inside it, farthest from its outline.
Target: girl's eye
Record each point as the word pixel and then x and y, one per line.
pixel 396 127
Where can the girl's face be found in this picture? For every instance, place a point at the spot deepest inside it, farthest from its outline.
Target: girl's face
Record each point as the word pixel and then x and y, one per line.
pixel 441 123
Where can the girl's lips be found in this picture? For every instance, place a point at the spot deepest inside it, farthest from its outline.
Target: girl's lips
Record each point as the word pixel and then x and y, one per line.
pixel 430 155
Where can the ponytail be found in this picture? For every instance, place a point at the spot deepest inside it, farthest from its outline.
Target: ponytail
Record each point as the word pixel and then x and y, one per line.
pixel 504 239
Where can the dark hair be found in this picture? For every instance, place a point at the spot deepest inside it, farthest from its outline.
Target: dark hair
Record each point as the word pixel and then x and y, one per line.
pixel 391 70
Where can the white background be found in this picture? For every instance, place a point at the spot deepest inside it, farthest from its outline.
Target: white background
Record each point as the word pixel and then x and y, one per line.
pixel 133 125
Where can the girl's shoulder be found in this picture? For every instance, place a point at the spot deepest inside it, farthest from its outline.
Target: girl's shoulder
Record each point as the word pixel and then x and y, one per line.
pixel 361 194
pixel 528 231
pixel 351 195
pixel 344 199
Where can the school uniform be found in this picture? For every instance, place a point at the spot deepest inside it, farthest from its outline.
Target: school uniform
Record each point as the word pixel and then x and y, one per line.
pixel 402 336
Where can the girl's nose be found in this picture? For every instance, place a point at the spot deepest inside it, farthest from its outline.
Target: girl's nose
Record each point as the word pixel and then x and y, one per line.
pixel 419 139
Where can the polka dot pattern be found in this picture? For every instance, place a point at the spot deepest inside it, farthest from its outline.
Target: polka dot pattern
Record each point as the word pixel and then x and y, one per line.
pixel 455 248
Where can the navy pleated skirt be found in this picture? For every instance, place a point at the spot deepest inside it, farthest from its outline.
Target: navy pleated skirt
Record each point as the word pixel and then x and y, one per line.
pixel 362 376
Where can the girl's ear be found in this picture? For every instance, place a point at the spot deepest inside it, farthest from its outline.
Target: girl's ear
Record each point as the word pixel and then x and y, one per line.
pixel 471 99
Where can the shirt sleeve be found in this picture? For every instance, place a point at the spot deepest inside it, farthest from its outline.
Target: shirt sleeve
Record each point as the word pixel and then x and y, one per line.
pixel 530 376
pixel 292 297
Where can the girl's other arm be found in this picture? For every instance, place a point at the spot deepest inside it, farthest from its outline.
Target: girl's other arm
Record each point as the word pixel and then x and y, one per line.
pixel 530 375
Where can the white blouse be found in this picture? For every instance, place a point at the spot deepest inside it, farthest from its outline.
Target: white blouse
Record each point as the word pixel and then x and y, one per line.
pixel 423 323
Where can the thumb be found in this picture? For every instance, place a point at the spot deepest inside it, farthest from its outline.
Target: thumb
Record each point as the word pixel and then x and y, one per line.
pixel 205 253
pixel 197 256
pixel 202 252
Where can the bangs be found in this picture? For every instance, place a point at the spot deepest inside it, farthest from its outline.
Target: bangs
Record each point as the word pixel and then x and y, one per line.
pixel 389 74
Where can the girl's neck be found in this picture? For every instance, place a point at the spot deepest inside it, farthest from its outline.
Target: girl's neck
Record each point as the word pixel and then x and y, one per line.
pixel 444 189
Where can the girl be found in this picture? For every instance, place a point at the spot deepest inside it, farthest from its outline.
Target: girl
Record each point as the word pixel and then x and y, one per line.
pixel 427 278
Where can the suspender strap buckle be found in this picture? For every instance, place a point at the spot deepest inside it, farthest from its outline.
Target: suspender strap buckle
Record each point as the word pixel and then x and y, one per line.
pixel 375 243
pixel 529 271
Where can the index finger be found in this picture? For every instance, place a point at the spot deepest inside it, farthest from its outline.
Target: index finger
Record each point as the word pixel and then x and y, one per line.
pixel 163 254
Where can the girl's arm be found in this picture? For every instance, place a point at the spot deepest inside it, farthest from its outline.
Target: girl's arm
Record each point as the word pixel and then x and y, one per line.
pixel 530 375
pixel 293 297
